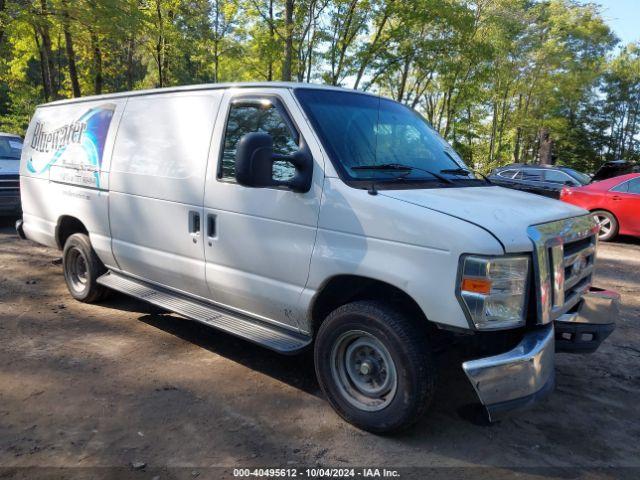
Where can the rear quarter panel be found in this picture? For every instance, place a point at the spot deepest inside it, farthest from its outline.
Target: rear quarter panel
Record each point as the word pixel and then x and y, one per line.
pixel 64 170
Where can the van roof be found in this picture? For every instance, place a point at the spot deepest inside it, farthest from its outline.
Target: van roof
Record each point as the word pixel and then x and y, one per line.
pixel 204 86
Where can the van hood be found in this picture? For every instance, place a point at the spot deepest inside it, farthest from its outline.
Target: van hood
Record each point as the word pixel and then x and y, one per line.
pixel 505 213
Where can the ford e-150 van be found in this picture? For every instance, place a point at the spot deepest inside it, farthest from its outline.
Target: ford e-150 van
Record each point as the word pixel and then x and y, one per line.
pixel 298 216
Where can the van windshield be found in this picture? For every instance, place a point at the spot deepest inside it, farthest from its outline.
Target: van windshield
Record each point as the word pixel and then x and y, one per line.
pixel 10 148
pixel 375 139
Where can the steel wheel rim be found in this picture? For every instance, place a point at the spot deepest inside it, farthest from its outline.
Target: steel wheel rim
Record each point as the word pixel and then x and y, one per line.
pixel 605 225
pixel 363 370
pixel 77 271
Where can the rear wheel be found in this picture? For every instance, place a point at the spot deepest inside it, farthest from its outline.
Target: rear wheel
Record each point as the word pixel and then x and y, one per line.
pixel 82 267
pixel 608 224
pixel 375 367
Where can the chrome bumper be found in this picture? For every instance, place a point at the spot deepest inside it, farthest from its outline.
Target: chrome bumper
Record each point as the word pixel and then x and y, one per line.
pixel 583 330
pixel 523 376
pixel 518 378
pixel 20 229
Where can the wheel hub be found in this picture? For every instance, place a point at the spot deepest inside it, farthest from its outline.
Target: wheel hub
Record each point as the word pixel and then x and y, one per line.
pixel 364 370
pixel 77 270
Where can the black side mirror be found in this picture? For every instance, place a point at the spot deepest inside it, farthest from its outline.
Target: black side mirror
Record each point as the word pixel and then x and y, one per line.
pixel 254 164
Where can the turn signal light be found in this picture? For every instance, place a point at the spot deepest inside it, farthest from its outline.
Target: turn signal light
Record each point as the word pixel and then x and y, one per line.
pixel 476 285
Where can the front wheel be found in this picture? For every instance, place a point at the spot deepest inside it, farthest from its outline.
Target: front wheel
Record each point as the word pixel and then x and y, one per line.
pixel 374 366
pixel 608 224
pixel 82 267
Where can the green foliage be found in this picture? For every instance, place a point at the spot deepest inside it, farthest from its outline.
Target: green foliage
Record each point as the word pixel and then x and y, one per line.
pixel 493 76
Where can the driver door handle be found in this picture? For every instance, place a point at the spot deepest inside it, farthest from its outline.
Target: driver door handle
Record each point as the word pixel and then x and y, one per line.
pixel 212 231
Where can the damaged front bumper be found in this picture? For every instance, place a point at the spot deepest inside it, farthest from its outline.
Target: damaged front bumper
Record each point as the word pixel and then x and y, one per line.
pixel 524 375
pixel 583 330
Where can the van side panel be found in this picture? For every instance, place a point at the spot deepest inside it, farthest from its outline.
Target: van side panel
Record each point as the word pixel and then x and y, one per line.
pixel 157 186
pixel 64 170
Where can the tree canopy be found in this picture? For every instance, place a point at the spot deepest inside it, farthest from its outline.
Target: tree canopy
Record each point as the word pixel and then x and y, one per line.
pixel 503 80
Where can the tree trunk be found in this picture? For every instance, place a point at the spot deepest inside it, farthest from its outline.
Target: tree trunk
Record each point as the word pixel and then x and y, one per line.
pixel 71 56
pixel 345 38
pixel 216 43
pixel 47 52
pixel 97 63
pixel 160 45
pixel 46 80
pixel 3 7
pixel 288 41
pixel 545 147
pixel 516 147
pixel 130 62
pixel 404 78
pixel 494 128
pixel 166 53
pixel 373 48
pixel 469 136
pixel 271 40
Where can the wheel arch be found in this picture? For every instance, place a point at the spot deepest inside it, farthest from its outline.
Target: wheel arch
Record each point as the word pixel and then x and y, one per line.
pixel 66 226
pixel 593 210
pixel 342 289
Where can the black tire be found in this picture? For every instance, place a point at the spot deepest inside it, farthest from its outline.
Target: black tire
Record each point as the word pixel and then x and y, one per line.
pixel 411 360
pixel 82 267
pixel 610 226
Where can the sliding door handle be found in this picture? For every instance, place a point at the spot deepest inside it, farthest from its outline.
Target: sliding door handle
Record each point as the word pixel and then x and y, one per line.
pixel 194 225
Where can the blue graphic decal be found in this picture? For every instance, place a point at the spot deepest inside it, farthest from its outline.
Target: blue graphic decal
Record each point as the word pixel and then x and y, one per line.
pixel 94 127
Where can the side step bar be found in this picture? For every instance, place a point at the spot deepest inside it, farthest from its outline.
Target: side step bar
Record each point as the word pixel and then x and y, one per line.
pixel 269 336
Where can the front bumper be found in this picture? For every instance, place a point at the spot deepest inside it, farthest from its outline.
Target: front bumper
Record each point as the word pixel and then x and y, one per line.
pixel 524 375
pixel 518 378
pixel 583 330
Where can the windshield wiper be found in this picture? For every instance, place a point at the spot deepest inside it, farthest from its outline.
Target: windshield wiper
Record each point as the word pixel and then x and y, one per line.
pixel 399 167
pixel 464 171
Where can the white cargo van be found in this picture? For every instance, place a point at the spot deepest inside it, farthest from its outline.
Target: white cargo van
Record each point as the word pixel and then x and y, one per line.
pixel 294 215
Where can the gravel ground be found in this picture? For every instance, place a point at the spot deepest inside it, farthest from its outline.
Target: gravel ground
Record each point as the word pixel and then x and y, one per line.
pixel 121 385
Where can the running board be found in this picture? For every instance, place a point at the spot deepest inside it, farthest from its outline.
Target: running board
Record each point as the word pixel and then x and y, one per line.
pixel 272 337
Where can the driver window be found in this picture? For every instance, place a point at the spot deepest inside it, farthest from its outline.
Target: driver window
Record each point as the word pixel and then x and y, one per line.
pixel 245 118
pixel 555 176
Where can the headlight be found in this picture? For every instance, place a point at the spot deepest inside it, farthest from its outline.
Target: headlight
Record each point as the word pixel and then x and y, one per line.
pixel 494 290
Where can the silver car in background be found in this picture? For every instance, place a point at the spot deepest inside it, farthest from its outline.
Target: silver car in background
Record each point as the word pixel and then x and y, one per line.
pixel 10 150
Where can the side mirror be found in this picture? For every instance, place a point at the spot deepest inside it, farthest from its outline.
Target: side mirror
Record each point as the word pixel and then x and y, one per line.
pixel 254 164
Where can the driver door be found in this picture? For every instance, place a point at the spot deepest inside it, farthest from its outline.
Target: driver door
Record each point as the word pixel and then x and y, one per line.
pixel 258 241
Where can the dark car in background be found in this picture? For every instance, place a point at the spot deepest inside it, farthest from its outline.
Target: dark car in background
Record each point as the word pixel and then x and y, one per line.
pixel 544 180
pixel 10 150
pixel 615 168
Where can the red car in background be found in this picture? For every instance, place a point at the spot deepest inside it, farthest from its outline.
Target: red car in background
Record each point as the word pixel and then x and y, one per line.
pixel 614 202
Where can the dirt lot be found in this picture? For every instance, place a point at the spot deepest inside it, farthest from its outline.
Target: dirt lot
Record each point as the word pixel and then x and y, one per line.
pixel 113 384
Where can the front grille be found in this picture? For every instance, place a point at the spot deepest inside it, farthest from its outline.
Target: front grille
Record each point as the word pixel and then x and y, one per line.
pixel 9 182
pixel 564 259
pixel 578 263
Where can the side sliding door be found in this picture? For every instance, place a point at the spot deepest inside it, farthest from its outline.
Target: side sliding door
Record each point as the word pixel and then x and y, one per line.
pixel 157 185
